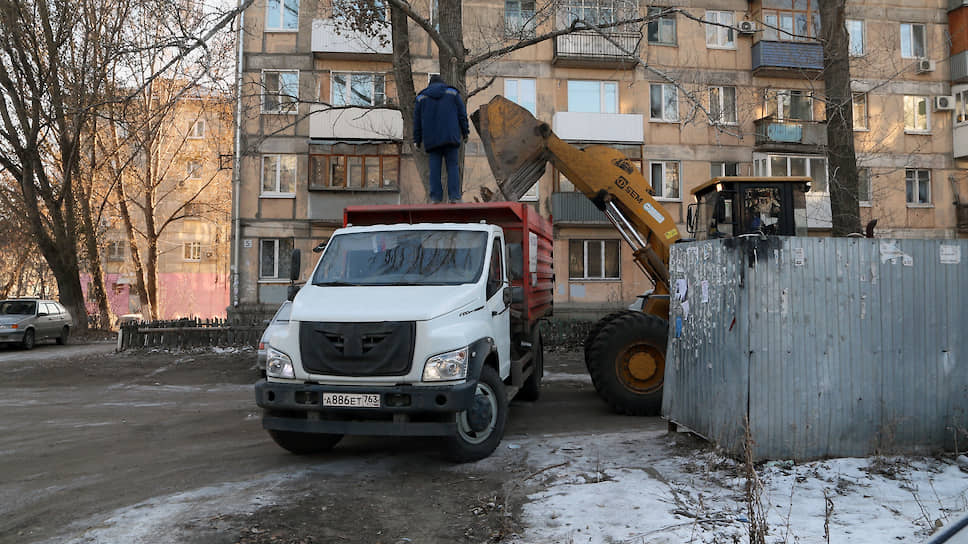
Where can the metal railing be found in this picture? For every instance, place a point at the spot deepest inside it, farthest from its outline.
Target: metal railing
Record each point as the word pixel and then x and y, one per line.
pixel 790 131
pixel 616 46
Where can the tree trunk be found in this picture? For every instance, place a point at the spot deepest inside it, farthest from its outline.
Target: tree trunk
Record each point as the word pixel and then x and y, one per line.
pixel 89 232
pixel 406 94
pixel 139 271
pixel 842 163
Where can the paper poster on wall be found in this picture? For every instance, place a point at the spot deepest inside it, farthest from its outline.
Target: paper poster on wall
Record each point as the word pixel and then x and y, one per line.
pixel 907 260
pixel 798 256
pixel 950 254
pixel 705 291
pixel 681 287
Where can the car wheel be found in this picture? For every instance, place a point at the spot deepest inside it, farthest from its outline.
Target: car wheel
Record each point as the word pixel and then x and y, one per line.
pixel 65 336
pixel 480 429
pixel 28 341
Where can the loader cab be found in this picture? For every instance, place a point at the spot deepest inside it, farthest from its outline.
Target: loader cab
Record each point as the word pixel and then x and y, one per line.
pixel 732 206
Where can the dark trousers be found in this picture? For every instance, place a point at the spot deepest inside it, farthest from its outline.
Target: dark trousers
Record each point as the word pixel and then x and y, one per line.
pixel 451 154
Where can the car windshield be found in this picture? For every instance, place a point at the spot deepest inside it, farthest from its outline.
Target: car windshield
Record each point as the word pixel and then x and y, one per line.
pixel 18 307
pixel 403 257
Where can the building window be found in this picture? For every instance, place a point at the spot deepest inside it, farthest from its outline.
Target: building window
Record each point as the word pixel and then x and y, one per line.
pixel 360 172
pixel 519 17
pixel 282 14
pixel 521 92
pixel 722 105
pixel 719 37
pixel 194 170
pixel 280 91
pixel 596 12
pixel 961 107
pixel 115 250
pixel 918 181
pixel 665 179
pixel 274 255
pixel 864 186
pixel 793 165
pixel 912 41
pixel 358 89
pixel 663 102
pixel 593 96
pixel 198 129
pixel 859 101
pixel 916 115
pixel 278 175
pixel 371 10
pixel 192 251
pixel 789 104
pixel 799 24
pixel 855 36
pixel 661 30
pixel 594 260
pixel 718 169
pixel 531 195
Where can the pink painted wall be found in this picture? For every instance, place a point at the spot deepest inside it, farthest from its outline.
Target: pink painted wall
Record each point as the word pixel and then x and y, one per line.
pixel 202 295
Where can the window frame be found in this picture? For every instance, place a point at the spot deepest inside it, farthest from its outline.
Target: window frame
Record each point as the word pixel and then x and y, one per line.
pixel 288 107
pixel 907 179
pixel 863 38
pixel 349 88
pixel 517 92
pixel 603 242
pixel 277 193
pixel 853 107
pixel 927 115
pixel 115 250
pixel 720 31
pixel 282 16
pixel 658 190
pixel 602 83
pixel 722 169
pixel 864 173
pixel 327 184
pixel 193 170
pixel 773 100
pixel 658 28
pixel 276 242
pixel 524 23
pixel 192 252
pixel 194 133
pixel 776 31
pixel 763 166
pixel 924 40
pixel 722 102
pixel 960 115
pixel 664 98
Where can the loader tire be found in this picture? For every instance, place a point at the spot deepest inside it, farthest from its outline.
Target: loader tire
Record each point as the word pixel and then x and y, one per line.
pixel 597 328
pixel 627 363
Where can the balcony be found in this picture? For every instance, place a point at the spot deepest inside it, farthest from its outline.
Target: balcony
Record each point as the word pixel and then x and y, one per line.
pixel 347 44
pixel 792 136
pixel 355 124
pixel 591 49
pixel 787 59
pixel 574 208
pixel 599 127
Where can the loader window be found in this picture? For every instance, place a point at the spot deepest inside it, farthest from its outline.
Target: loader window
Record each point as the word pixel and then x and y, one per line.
pixel 724 216
pixel 762 206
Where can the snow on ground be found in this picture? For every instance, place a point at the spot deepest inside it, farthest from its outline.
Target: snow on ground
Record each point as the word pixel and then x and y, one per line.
pixel 644 488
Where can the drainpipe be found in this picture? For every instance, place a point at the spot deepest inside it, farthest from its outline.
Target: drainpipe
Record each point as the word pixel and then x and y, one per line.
pixel 237 166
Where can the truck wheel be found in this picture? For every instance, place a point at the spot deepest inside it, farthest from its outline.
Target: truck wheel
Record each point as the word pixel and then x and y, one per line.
pixel 627 363
pixel 597 328
pixel 305 443
pixel 480 429
pixel 28 341
pixel 65 336
pixel 531 389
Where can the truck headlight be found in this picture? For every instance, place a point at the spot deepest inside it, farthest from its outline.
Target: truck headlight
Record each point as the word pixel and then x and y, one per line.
pixel 278 364
pixel 446 366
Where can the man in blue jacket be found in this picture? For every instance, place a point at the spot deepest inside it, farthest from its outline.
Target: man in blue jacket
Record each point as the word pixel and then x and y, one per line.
pixel 440 125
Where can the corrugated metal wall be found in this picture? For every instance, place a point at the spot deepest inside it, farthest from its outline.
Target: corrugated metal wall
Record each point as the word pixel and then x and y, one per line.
pixel 833 346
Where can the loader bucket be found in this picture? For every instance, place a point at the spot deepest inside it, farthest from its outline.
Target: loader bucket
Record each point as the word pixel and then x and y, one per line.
pixel 515 145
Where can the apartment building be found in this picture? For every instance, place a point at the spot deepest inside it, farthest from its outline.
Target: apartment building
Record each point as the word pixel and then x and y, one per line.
pixel 192 190
pixel 685 100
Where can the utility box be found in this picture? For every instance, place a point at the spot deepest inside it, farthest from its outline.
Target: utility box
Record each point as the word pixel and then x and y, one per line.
pixel 828 346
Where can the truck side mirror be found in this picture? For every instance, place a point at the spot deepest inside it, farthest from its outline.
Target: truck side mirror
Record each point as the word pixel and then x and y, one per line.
pixel 295 262
pixel 691 218
pixel 507 296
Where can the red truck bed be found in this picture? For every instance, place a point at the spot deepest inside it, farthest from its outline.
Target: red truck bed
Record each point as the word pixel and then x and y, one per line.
pixel 521 223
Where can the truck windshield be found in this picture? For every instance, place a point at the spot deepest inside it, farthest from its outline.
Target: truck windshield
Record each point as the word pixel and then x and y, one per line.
pixel 403 257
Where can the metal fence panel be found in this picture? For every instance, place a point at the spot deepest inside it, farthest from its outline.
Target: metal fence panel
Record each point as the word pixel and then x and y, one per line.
pixel 831 346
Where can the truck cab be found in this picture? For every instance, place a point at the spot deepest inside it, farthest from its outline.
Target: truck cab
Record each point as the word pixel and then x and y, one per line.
pixel 733 205
pixel 404 329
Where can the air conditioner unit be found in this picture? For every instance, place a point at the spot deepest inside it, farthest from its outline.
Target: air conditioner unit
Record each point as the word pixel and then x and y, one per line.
pixel 925 65
pixel 944 103
pixel 746 27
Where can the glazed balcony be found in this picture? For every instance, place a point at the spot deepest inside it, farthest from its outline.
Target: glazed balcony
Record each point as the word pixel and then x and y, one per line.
pixel 355 124
pixel 787 59
pixel 591 49
pixel 574 208
pixel 347 44
pixel 790 136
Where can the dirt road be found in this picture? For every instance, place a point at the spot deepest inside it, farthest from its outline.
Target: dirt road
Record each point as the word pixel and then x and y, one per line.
pixel 103 447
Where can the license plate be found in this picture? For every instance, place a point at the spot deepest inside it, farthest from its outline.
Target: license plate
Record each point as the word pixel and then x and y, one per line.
pixel 352 400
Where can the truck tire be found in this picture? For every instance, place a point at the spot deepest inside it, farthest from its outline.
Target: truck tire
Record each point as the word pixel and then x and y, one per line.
pixel 627 363
pixel 469 445
pixel 305 443
pixel 597 328
pixel 65 336
pixel 28 340
pixel 531 389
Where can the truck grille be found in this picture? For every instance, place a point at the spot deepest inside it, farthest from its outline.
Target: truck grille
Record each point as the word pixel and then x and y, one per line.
pixel 357 349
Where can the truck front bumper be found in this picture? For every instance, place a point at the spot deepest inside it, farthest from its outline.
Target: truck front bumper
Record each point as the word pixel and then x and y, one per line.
pixel 404 410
